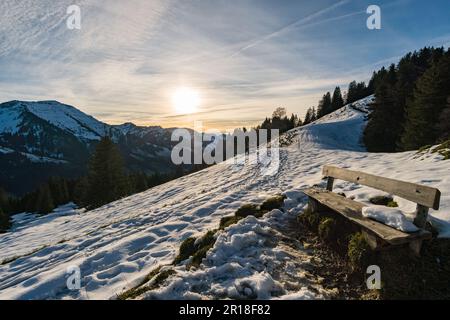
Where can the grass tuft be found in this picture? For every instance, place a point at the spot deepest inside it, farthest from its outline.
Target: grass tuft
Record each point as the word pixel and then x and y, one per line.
pixel 358 251
pixel 327 229
pixel 248 210
pixel 187 249
pixel 272 203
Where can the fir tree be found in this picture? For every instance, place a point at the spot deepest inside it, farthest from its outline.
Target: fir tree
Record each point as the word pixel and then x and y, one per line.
pixel 356 91
pixel 80 191
pixel 378 135
pixel 429 102
pixel 5 201
pixel 44 202
pixel 324 107
pixel 336 101
pixel 59 190
pixel 443 126
pixel 4 221
pixel 106 179
pixel 314 115
pixel 384 122
pixel 308 116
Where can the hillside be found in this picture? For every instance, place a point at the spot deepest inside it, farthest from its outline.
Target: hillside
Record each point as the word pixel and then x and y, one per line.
pixel 117 245
pixel 48 138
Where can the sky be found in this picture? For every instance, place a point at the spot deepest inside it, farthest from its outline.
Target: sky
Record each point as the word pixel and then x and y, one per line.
pixel 239 59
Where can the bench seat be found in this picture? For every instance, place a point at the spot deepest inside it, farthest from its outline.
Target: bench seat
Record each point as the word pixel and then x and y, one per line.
pixel 352 210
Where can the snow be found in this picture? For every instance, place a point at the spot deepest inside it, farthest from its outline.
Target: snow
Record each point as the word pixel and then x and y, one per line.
pixel 39 159
pixel 68 118
pixel 10 119
pixel 117 245
pixel 4 150
pixel 244 263
pixel 389 216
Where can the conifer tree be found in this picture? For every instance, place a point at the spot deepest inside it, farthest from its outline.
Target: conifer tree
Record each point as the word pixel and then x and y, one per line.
pixel 80 191
pixel 314 114
pixel 4 221
pixel 44 202
pixel 308 116
pixel 424 111
pixel 324 107
pixel 337 102
pixel 443 126
pixel 384 122
pixel 106 179
pixel 5 202
pixel 59 190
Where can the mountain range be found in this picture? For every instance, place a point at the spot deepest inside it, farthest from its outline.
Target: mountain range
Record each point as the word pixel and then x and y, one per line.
pixel 48 138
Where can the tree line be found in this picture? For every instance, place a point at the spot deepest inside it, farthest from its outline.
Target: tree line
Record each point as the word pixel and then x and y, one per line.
pixel 332 102
pixel 106 181
pixel 412 103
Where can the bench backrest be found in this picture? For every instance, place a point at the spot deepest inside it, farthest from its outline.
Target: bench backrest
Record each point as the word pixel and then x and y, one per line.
pixel 422 195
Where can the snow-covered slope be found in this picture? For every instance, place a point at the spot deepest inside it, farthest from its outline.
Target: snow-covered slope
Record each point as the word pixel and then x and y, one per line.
pixel 45 138
pixel 117 245
pixel 60 115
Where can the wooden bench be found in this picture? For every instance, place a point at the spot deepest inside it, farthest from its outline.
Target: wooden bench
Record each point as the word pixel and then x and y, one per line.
pixel 378 235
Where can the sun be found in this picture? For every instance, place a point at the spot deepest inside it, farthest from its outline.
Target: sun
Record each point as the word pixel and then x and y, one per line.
pixel 185 100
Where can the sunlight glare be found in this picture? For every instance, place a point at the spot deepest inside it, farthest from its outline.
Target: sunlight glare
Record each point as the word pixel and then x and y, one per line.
pixel 185 100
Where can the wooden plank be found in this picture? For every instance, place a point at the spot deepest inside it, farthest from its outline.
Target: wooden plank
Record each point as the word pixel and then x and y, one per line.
pixel 352 211
pixel 421 216
pixel 330 183
pixel 423 195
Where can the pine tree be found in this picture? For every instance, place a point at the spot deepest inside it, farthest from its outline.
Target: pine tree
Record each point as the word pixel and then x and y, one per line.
pixel 356 91
pixel 337 102
pixel 443 126
pixel 4 221
pixel 384 122
pixel 5 201
pixel 308 116
pixel 80 191
pixel 106 179
pixel 324 107
pixel 59 190
pixel 424 110
pixel 314 115
pixel 380 133
pixel 139 182
pixel 44 202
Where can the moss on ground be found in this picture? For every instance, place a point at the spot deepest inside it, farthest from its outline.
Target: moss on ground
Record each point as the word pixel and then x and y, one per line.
pixel 309 219
pixel 445 154
pixel 384 201
pixel 272 203
pixel 443 149
pixel 358 251
pixel 403 275
pixel 443 146
pixel 327 229
pixel 225 222
pixel 197 248
pixel 424 148
pixel 140 288
pixel 248 210
pixel 392 204
pixel 381 200
pixel 187 249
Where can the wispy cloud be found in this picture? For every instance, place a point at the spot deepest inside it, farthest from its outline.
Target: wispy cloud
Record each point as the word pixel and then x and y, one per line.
pixel 244 57
pixel 291 26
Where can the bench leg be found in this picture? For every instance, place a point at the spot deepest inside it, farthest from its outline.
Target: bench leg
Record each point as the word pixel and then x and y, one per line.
pixel 371 240
pixel 415 246
pixel 315 206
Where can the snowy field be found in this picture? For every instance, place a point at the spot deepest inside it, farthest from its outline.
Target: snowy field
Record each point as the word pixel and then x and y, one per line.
pixel 117 245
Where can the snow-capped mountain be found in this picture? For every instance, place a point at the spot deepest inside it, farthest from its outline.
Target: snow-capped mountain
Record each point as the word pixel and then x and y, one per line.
pixel 40 139
pixel 116 246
